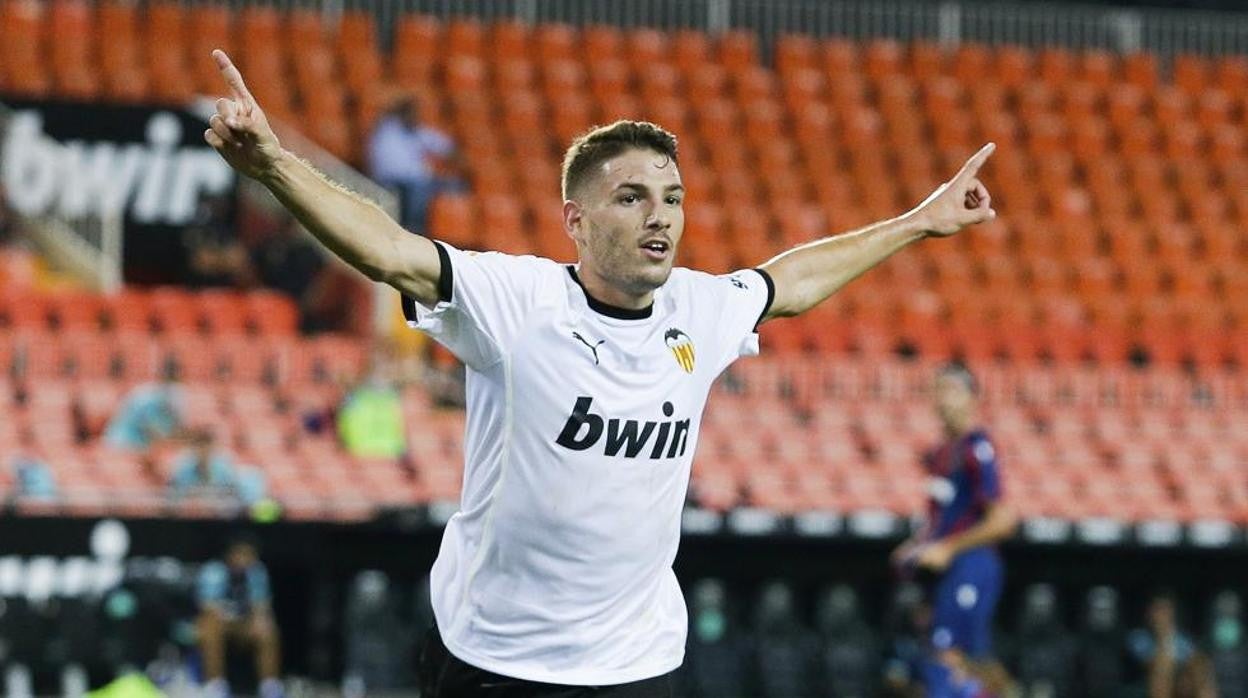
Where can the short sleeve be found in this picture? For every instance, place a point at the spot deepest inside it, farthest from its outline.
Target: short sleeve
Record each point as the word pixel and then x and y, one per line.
pixel 982 456
pixel 744 298
pixel 258 585
pixel 212 583
pixel 484 301
pixel 436 142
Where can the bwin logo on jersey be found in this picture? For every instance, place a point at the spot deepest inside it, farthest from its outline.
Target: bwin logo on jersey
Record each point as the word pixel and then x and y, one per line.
pixel 584 430
pixel 682 348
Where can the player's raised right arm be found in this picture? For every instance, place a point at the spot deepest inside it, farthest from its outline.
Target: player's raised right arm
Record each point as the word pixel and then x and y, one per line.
pixel 353 228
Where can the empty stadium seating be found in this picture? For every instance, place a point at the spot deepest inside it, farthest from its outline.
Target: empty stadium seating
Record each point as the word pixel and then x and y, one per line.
pixel 1117 266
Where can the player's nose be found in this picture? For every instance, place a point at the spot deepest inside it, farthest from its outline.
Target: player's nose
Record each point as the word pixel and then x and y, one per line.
pixel 657 221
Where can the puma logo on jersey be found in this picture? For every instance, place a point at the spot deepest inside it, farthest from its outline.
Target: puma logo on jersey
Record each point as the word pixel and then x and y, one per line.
pixel 584 430
pixel 592 347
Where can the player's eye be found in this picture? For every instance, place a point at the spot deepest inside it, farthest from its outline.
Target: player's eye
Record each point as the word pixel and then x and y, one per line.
pixel 629 199
pixel 673 200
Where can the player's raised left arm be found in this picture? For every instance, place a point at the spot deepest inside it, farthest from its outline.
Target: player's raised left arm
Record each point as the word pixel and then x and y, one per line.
pixel 806 275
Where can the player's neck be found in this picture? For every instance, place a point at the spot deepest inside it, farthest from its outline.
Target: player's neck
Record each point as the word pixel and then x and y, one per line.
pixel 604 292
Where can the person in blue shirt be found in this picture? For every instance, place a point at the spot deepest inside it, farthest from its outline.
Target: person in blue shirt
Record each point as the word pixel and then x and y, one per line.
pixel 201 470
pixel 1171 662
pixel 235 605
pixel 966 519
pixel 150 413
pixel 402 153
pixel 32 478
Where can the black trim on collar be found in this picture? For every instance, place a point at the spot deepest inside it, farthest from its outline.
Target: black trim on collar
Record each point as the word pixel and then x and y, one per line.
pixel 611 310
pixel 771 296
pixel 446 284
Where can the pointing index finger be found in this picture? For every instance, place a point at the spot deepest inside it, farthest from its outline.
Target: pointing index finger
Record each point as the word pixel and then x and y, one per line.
pixel 233 78
pixel 977 160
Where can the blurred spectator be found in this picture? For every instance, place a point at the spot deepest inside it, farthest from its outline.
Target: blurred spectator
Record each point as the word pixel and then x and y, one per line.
pixel 1045 653
pixel 283 258
pixel 203 471
pixel 286 260
pixel 213 254
pixel 370 419
pixel 1101 668
pixel 715 662
pixel 785 652
pixel 149 414
pixel 850 649
pixel 235 610
pixel 404 154
pixel 32 478
pixel 1227 646
pixel 1167 656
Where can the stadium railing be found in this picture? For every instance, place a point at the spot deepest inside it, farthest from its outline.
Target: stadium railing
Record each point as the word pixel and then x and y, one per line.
pixel 1163 31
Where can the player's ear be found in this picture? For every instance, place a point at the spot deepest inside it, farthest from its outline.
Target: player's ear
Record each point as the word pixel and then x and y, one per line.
pixel 572 219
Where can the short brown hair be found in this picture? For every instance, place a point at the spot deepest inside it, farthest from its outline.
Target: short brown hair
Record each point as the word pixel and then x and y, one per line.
pixel 602 143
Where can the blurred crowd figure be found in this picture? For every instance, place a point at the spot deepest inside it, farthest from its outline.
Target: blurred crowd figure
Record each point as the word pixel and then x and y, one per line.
pixel 235 609
pixel 271 252
pixel 202 471
pixel 413 158
pixel 149 416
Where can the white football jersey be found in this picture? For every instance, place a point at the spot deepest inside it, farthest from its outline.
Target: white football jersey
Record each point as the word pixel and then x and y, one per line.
pixel 582 421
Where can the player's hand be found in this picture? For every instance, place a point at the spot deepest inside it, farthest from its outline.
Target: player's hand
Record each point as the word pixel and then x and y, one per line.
pixel 962 201
pixel 239 131
pixel 936 556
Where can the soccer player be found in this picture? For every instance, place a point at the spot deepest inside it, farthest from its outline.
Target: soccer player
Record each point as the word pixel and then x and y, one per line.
pixel 966 519
pixel 585 391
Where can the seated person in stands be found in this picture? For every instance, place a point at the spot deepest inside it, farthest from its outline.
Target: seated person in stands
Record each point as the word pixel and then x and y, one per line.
pixel 404 154
pixel 1171 663
pixel 203 471
pixel 370 418
pixel 32 478
pixel 150 414
pixel 235 610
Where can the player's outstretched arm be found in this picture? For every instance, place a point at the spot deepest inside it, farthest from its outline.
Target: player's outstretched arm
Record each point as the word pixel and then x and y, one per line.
pixel 350 226
pixel 806 275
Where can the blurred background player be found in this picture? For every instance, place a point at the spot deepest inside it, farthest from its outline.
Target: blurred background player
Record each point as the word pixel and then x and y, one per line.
pixel 965 521
pixel 235 612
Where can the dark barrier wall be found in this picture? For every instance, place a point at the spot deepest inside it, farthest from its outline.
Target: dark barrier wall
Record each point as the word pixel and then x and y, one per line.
pixel 312 565
pixel 151 162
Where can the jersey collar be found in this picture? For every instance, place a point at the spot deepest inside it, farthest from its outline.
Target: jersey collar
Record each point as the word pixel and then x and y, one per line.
pixel 611 310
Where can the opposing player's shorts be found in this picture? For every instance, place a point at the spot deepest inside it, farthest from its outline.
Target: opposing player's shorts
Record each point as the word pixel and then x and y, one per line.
pixel 964 602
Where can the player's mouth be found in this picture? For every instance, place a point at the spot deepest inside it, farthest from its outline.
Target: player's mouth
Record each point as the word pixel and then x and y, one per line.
pixel 656 249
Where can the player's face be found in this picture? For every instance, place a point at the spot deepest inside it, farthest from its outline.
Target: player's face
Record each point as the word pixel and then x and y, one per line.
pixel 955 403
pixel 631 221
